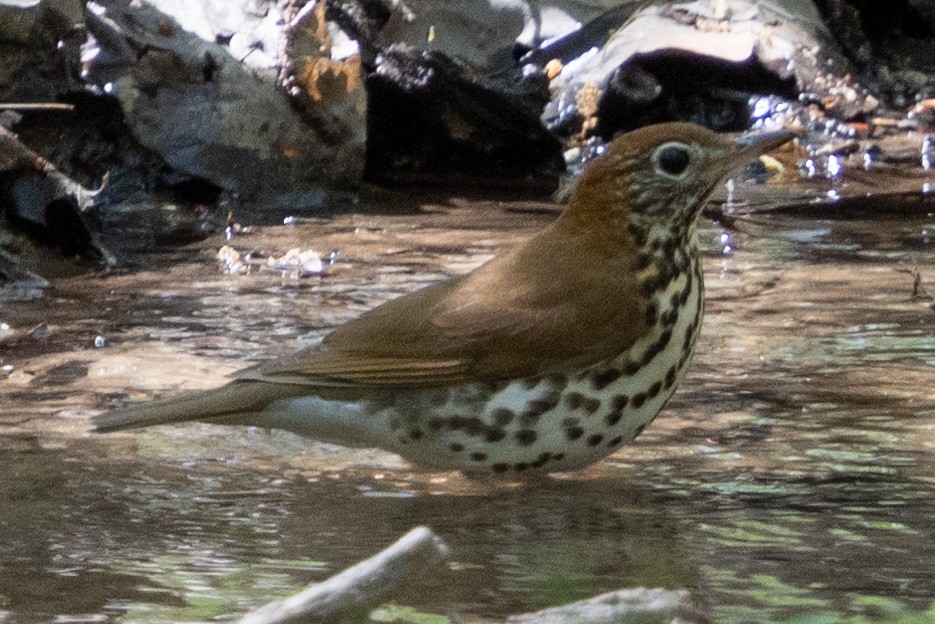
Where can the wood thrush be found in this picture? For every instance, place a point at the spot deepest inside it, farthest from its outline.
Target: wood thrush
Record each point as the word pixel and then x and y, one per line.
pixel 548 357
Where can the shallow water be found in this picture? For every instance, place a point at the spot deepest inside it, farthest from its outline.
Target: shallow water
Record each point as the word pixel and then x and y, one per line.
pixel 791 475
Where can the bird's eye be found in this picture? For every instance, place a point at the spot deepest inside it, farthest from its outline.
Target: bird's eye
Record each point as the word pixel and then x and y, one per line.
pixel 672 159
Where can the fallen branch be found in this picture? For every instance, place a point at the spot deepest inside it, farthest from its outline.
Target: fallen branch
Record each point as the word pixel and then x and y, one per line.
pixel 359 587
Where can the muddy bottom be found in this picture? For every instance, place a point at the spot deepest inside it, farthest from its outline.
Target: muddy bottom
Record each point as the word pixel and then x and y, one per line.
pixel 791 477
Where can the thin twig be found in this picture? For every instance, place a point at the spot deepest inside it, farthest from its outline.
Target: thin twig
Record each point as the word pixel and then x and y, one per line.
pixel 26 106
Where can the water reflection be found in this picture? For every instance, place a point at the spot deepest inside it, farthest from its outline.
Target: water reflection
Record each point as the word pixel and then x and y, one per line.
pixel 791 474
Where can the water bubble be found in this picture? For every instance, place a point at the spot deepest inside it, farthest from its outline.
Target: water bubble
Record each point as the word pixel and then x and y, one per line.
pixel 99 342
pixel 928 152
pixel 725 241
pixel 761 108
pixel 808 168
pixel 835 166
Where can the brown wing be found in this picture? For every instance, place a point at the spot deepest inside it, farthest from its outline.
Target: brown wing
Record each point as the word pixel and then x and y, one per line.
pixel 535 310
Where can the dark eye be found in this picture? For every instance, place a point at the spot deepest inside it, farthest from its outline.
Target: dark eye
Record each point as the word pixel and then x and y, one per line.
pixel 672 159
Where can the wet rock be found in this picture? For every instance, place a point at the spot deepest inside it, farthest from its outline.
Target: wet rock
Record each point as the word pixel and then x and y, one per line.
pixel 39 46
pixel 39 200
pixel 430 116
pixel 647 606
pixel 17 20
pixel 16 282
pixel 696 61
pixel 323 76
pixel 209 113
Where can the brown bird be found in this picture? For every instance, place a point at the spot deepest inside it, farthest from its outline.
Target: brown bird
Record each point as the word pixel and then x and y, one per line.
pixel 548 357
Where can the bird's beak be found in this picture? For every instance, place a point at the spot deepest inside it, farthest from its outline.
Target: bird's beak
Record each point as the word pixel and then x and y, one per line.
pixel 751 146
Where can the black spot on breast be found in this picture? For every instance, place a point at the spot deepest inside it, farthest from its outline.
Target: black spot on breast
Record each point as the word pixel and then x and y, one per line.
pixel 670 377
pixel 537 407
pixel 603 378
pixel 595 439
pixel 495 434
pixel 614 417
pixel 472 426
pixel 541 460
pixel 639 236
pixel 479 457
pixel 615 442
pixel 500 467
pixel 416 434
pixel 631 368
pixel 521 466
pixel 574 400
pixel 643 261
pixel 620 401
pixel 681 261
pixel 657 347
pixel 592 405
pixel 652 314
pixel 654 389
pixel 573 433
pixel 638 400
pixel 558 457
pixel 686 345
pixel 525 437
pixel 649 287
pixel 435 424
pixel 455 447
pixel 502 416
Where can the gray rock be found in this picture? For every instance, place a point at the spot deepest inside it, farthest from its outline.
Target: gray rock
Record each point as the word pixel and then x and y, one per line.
pixel 484 32
pixel 17 19
pixel 627 606
pixel 208 114
pixel 38 43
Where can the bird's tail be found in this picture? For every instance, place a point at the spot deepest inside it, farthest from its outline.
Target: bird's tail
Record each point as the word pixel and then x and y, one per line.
pixel 237 397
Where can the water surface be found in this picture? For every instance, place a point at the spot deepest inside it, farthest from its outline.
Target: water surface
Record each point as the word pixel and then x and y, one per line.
pixel 793 474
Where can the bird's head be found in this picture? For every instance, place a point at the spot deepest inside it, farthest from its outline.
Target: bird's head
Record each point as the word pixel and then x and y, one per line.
pixel 661 175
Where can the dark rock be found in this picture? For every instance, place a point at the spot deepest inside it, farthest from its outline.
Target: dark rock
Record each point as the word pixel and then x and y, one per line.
pixel 670 85
pixel 40 201
pixel 690 62
pixel 210 115
pixel 429 115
